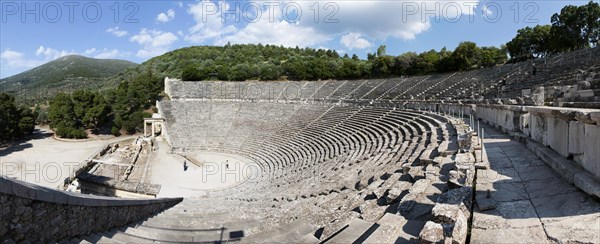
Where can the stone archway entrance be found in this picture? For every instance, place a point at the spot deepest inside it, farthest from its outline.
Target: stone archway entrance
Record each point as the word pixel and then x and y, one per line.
pixel 153 126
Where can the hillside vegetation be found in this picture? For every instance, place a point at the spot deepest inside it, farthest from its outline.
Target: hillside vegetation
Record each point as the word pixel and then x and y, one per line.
pixel 67 73
pixel 269 62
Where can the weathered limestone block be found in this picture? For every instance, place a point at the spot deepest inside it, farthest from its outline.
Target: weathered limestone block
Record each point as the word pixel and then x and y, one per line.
pixel 586 93
pixel 375 185
pixel 370 211
pixel 595 116
pixel 457 179
pixel 459 232
pixel 420 186
pixel 416 173
pixel 432 172
pixel 567 115
pixel 511 101
pixel 464 158
pixel 524 120
pixel 585 182
pixel 454 220
pixel 538 129
pixel 558 135
pixel 584 117
pixel 416 206
pixel 538 96
pixel 444 213
pixel 576 140
pixel 459 195
pixel 432 233
pixel 591 162
pixel 464 140
pixel 398 191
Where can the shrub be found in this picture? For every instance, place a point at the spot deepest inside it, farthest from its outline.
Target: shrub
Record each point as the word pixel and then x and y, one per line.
pixel 115 131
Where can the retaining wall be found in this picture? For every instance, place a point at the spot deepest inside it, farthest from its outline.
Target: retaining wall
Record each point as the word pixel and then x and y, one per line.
pixel 35 213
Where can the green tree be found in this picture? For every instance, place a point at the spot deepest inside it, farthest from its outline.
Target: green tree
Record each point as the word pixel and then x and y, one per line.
pixel 576 27
pixel 465 55
pixel 191 73
pixel 530 43
pixel 381 51
pixel 9 118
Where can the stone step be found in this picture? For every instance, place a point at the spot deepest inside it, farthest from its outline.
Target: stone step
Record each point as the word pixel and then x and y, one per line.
pixel 118 236
pixel 174 235
pixel 191 224
pixel 396 229
pixel 355 230
pixel 294 232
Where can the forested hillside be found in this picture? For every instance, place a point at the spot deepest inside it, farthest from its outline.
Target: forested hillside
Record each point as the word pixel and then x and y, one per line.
pixel 67 73
pixel 269 62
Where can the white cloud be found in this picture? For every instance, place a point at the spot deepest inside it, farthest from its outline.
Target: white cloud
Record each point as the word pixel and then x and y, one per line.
pixel 356 21
pixel 279 33
pixel 16 60
pixel 166 17
pixel 355 41
pixel 486 11
pixel 265 30
pixel 51 53
pixel 115 31
pixel 154 42
pixel 208 26
pixel 105 53
pixel 111 54
pixel 90 51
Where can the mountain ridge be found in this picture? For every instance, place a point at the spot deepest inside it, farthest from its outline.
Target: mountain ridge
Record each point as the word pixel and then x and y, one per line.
pixel 64 73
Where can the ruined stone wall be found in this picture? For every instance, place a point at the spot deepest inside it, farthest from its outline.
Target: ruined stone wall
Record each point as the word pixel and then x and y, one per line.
pixel 164 131
pixel 35 213
pixel 568 139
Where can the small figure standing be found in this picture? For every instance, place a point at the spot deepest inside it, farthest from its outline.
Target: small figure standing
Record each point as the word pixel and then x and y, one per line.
pixel 534 70
pixel 185 167
pixel 226 164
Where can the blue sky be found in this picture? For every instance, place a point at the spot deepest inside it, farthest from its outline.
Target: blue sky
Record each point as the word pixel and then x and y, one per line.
pixel 35 32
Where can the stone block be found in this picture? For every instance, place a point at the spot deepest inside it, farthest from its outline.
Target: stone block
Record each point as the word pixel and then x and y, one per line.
pixel 464 158
pixel 571 95
pixel 558 135
pixel 566 168
pixel 72 199
pixel 432 233
pixel 449 213
pixel 524 121
pixel 587 184
pixel 591 150
pixel 21 189
pixel 565 89
pixel 576 138
pixel 586 93
pixel 61 197
pixel 538 129
pixel 5 185
pixel 45 195
pixel 595 116
pixel 459 232
pixel 538 96
pixel 398 191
